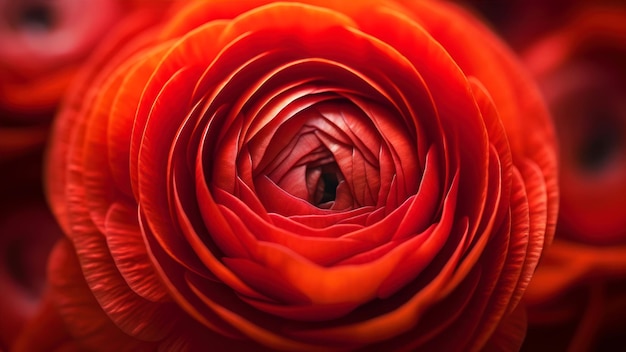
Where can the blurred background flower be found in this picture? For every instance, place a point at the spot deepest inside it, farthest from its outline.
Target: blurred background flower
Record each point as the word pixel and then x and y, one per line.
pixel 580 286
pixel 577 52
pixel 42 44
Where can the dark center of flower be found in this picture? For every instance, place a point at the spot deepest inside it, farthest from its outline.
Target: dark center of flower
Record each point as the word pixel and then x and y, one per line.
pixel 322 182
pixel 589 109
pixel 325 153
pixel 327 188
pixel 34 16
pixel 600 145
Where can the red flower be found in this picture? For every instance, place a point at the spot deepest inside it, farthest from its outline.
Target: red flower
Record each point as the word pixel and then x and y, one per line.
pixel 303 176
pixel 581 69
pixel 42 46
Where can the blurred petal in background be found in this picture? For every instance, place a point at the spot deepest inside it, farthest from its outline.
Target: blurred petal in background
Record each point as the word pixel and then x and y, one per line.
pixel 580 287
pixel 577 52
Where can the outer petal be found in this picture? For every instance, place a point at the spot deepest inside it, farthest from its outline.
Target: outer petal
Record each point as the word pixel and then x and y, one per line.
pixel 83 316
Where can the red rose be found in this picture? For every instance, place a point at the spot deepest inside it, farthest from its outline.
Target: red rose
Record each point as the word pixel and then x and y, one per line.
pixel 303 176
pixel 580 282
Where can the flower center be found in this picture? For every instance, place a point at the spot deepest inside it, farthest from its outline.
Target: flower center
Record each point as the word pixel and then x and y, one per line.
pixel 589 110
pixel 599 146
pixel 33 16
pixel 322 182
pixel 327 154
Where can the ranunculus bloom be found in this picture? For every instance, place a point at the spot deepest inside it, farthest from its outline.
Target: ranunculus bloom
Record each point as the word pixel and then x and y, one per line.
pixel 42 46
pixel 320 175
pixel 580 67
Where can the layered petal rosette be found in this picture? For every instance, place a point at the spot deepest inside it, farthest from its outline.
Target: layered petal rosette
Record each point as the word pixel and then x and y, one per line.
pixel 316 175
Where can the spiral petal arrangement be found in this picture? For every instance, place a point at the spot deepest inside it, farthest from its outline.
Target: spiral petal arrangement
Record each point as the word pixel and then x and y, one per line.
pixel 304 176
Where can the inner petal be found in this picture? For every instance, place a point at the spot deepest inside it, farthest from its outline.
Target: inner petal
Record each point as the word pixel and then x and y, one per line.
pixel 319 162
